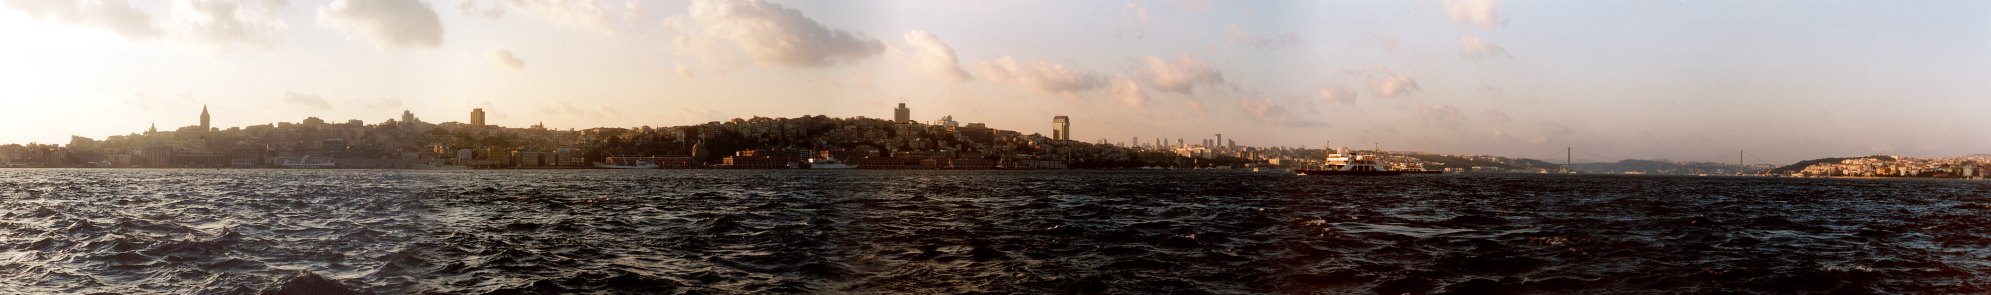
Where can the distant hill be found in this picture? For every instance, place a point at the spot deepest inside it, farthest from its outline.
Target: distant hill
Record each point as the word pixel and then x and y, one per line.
pixel 1799 166
pixel 1657 167
pixel 1463 162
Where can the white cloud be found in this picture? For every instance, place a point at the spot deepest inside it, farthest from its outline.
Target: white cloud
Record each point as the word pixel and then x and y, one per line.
pixel 772 34
pixel 1338 95
pixel 580 13
pixel 1238 35
pixel 1385 83
pixel 115 15
pixel 385 23
pixel 209 22
pixel 1136 15
pixel 305 100
pixel 935 57
pixel 1180 76
pixel 484 8
pixel 252 23
pixel 685 72
pixel 693 44
pixel 1041 76
pixel 1472 46
pixel 1473 12
pixel 1129 92
pixel 504 57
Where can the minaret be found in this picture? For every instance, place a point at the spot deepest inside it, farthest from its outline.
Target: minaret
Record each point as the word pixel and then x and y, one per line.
pixel 203 119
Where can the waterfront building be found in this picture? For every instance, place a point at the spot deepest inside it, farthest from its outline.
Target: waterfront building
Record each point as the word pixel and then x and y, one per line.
pixel 948 121
pixel 1061 128
pixel 477 117
pixel 902 114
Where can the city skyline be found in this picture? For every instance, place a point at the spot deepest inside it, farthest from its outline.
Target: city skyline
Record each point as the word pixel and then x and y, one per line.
pixel 1667 81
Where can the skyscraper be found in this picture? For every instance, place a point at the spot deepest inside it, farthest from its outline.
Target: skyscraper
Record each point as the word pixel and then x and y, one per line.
pixel 477 117
pixel 203 119
pixel 1061 128
pixel 902 114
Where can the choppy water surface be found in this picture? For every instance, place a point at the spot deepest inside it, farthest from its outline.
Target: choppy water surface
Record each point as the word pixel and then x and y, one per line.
pixel 397 232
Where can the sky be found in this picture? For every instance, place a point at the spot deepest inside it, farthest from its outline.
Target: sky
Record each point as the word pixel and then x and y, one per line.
pixel 1678 80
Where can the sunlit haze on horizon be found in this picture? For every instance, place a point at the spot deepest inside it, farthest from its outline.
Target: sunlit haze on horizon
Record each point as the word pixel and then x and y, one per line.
pixel 1679 80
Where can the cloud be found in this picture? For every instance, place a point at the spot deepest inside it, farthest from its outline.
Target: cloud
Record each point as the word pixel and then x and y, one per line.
pixel 252 23
pixel 210 22
pixel 118 16
pixel 1180 76
pixel 1269 112
pixel 1551 127
pixel 772 33
pixel 484 8
pixel 1129 92
pixel 1237 35
pixel 581 13
pixel 385 23
pixel 1472 46
pixel 935 57
pixel 1473 12
pixel 1136 15
pixel 1443 115
pixel 1338 94
pixel 305 100
pixel 1041 76
pixel 1497 116
pixel 505 58
pixel 685 72
pixel 1385 83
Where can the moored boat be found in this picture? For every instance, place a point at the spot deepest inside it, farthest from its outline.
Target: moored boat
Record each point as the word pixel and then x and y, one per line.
pixel 829 163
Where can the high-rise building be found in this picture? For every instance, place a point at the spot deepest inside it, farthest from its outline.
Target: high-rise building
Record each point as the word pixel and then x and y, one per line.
pixel 902 114
pixel 1061 128
pixel 477 117
pixel 203 119
pixel 1220 140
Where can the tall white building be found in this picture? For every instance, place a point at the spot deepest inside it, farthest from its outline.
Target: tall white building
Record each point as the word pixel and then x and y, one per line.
pixel 1061 128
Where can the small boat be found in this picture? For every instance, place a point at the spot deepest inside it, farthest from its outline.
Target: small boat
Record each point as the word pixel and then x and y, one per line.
pixel 307 163
pixel 829 163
